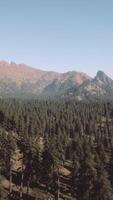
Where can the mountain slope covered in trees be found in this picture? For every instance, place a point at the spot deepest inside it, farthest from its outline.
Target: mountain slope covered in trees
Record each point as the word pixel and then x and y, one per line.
pixel 65 150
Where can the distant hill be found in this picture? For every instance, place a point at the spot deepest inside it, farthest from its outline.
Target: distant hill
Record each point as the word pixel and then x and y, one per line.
pixel 20 80
pixel 100 87
pixel 64 82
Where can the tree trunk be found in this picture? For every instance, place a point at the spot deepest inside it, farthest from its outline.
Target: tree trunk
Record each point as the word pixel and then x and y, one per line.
pixel 58 185
pixel 21 184
pixel 58 192
pixel 28 183
pixel 10 183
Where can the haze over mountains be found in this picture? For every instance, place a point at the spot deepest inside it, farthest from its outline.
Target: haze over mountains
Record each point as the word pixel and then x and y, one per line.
pixel 22 81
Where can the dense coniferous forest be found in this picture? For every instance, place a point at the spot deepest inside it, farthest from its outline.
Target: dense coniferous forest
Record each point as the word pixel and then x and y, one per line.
pixel 56 150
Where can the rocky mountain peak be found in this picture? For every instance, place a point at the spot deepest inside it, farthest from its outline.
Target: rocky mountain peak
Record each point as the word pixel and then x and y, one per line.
pixel 101 76
pixel 20 80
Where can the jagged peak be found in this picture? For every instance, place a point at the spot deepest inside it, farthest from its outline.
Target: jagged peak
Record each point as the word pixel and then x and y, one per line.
pixel 101 73
pixel 103 77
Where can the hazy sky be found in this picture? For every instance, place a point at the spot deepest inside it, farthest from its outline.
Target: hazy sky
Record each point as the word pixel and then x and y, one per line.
pixel 58 35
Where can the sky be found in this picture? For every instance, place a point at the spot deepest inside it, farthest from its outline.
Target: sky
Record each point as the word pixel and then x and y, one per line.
pixel 58 35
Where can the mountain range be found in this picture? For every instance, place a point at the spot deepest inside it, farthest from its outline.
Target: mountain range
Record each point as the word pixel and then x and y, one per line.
pixel 22 81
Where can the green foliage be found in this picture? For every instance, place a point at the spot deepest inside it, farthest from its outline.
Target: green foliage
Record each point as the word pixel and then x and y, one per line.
pixel 51 133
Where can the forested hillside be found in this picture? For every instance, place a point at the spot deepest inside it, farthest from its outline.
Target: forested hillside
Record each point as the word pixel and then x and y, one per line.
pixel 56 150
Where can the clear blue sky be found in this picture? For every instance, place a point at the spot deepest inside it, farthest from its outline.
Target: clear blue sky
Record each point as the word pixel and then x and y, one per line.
pixel 58 35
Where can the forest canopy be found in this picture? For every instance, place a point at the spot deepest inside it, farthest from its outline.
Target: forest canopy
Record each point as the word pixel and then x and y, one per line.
pixel 47 137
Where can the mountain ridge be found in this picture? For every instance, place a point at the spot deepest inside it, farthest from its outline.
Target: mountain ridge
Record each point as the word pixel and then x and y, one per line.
pixel 20 80
pixel 99 87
